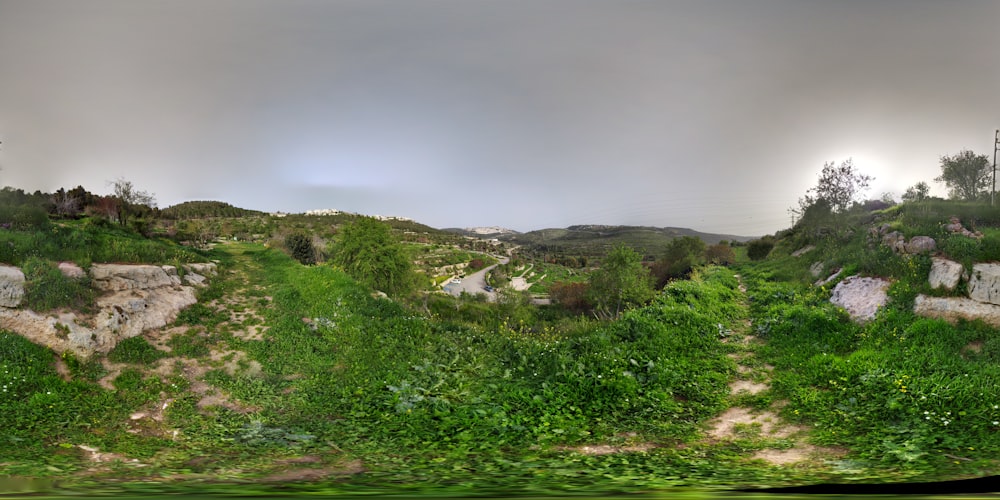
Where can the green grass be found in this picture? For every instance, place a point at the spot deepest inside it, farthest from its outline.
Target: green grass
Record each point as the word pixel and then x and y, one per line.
pixel 84 242
pixel 135 350
pixel 467 395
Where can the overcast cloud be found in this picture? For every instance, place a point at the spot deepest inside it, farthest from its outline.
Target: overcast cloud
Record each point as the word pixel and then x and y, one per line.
pixel 710 114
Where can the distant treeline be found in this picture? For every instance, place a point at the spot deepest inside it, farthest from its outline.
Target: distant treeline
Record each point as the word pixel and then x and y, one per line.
pixel 205 209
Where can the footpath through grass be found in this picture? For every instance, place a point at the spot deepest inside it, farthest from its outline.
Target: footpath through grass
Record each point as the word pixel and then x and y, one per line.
pixel 360 394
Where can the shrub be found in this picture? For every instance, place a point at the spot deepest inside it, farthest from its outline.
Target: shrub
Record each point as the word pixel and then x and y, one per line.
pixel 759 249
pixel 300 247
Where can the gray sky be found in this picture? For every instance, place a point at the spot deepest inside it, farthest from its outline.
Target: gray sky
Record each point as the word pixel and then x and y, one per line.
pixel 710 114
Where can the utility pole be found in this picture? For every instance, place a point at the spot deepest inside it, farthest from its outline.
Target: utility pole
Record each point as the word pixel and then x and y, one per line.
pixel 996 145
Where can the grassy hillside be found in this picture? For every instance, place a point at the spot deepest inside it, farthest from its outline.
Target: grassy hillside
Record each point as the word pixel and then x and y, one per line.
pixel 737 377
pixel 597 240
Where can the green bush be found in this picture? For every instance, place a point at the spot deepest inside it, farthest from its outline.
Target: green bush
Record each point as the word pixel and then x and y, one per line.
pixel 46 287
pixel 759 249
pixel 300 247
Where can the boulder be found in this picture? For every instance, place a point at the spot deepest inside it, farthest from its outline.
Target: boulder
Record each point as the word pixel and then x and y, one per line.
pixel 829 279
pixel 984 284
pixel 195 279
pixel 118 277
pixel 955 308
pixel 954 226
pixel 861 297
pixel 11 286
pixel 816 269
pixel 895 240
pixel 803 250
pixel 71 270
pixel 945 273
pixel 202 268
pixel 920 244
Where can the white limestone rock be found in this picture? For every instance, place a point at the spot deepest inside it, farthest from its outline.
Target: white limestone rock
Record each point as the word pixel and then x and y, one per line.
pixel 861 297
pixel 202 268
pixel 954 308
pixel 118 277
pixel 11 286
pixel 945 273
pixel 984 284
pixel 71 270
pixel 920 244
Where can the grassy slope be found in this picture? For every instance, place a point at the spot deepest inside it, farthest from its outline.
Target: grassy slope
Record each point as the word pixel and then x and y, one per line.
pixel 365 383
pixel 422 404
pixel 596 241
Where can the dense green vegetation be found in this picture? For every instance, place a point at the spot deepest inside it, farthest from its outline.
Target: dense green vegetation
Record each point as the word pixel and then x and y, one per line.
pixel 595 241
pixel 286 372
pixel 206 209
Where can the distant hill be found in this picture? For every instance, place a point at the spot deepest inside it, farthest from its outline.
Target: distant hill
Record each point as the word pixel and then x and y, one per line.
pixel 206 209
pixel 594 239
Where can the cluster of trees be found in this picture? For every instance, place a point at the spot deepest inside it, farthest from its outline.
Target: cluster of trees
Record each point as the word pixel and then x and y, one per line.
pixel 28 210
pixel 206 210
pixel 967 175
pixel 623 280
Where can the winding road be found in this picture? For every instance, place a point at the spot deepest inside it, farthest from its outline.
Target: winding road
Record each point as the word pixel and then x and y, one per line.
pixel 475 282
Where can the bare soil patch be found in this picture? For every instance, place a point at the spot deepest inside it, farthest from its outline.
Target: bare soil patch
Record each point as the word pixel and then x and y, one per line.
pixel 728 425
pixel 738 386
pixel 312 474
pixel 62 369
pixel 607 449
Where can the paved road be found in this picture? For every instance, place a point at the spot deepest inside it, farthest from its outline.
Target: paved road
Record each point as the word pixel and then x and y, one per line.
pixel 474 283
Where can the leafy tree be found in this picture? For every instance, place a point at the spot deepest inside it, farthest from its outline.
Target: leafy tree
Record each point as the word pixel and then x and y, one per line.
pixel 572 296
pixel 838 188
pixel 917 192
pixel 300 246
pixel 682 255
pixel 620 282
pixel 368 251
pixel 721 254
pixel 130 199
pixel 966 174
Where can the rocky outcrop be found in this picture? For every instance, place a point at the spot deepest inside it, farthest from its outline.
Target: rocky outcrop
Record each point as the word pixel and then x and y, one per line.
pixel 895 240
pixel 11 286
pixel 129 313
pixel 954 226
pixel 202 268
pixel 172 274
pixel 984 283
pixel 804 250
pixel 861 297
pixel 955 308
pixel 920 244
pixel 136 298
pixel 118 277
pixel 71 270
pixel 816 269
pixel 898 243
pixel 945 273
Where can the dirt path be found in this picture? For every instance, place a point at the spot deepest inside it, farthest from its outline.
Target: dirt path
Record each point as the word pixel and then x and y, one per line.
pixel 779 442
